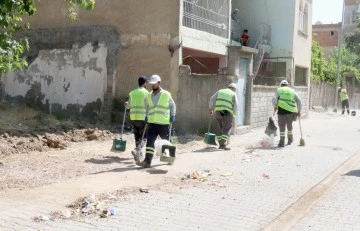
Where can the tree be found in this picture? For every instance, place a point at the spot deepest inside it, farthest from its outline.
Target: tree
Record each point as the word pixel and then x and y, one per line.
pixel 11 21
pixel 348 65
pixel 317 61
pixel 326 69
pixel 353 42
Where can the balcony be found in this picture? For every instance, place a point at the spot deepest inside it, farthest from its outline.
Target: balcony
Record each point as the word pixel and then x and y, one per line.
pixel 210 16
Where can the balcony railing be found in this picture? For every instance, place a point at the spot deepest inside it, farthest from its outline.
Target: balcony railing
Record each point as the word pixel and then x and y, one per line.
pixel 211 16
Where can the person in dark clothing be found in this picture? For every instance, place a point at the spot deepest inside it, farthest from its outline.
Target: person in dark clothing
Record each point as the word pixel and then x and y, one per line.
pixel 137 104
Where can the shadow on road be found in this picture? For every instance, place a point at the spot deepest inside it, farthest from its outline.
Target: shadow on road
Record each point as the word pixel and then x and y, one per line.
pixel 108 160
pixel 209 149
pixel 134 167
pixel 353 173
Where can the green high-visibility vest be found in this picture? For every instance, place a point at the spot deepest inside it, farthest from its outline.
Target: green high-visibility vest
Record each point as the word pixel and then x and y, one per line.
pixel 137 104
pixel 343 96
pixel 224 101
pixel 286 99
pixel 160 113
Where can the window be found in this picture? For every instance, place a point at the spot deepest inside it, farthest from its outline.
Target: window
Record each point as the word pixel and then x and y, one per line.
pixel 332 33
pixel 303 18
pixel 300 76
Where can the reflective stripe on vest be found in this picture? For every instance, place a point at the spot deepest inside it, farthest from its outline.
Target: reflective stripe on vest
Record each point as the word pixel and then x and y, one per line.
pixel 286 99
pixel 224 100
pixel 343 96
pixel 160 113
pixel 137 104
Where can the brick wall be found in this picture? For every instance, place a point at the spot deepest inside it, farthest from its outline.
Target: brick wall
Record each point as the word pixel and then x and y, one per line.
pixel 350 2
pixel 262 108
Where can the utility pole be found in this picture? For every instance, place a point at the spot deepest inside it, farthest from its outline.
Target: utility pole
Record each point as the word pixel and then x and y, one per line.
pixel 339 55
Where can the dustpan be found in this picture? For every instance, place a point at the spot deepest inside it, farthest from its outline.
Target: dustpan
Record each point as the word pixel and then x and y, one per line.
pixel 168 150
pixel 119 144
pixel 210 138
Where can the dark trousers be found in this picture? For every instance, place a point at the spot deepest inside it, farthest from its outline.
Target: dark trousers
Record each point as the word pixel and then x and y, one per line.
pixel 224 121
pixel 138 127
pixel 345 104
pixel 285 121
pixel 155 130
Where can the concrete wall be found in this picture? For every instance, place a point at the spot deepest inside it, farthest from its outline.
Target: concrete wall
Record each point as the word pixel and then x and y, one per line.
pixel 145 31
pixel 322 94
pixel 62 80
pixel 193 100
pixel 262 106
pixel 302 40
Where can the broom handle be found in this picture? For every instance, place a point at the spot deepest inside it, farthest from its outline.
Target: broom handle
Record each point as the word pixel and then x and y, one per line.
pixel 123 124
pixel 300 128
pixel 170 128
pixel 209 124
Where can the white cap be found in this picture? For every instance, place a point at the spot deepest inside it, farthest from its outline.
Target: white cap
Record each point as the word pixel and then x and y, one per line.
pixel 284 82
pixel 232 85
pixel 154 79
pixel 343 90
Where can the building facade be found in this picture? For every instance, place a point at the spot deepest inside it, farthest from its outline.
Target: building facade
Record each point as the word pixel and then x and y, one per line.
pixel 120 40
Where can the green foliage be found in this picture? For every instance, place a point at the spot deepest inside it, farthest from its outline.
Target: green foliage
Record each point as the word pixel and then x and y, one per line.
pixel 326 69
pixel 353 42
pixel 317 61
pixel 11 21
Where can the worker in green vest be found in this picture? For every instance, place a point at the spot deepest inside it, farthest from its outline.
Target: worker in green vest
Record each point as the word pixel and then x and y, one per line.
pixel 288 106
pixel 137 102
pixel 344 101
pixel 161 110
pixel 224 102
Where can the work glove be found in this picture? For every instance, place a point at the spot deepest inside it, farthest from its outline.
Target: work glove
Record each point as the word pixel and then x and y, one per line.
pixel 172 119
pixel 211 111
pixel 146 119
pixel 299 114
pixel 275 109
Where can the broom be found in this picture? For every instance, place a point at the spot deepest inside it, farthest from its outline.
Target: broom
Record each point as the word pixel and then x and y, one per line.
pixel 302 141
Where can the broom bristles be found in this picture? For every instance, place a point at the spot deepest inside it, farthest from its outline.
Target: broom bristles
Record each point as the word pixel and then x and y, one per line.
pixel 302 142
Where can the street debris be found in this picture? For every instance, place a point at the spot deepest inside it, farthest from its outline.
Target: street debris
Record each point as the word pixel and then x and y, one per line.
pixel 267 142
pixel 265 176
pixel 40 218
pixel 144 190
pixel 199 175
pixel 91 205
pixel 226 174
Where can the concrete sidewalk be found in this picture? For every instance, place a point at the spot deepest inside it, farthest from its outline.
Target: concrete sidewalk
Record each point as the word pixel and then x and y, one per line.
pixel 248 202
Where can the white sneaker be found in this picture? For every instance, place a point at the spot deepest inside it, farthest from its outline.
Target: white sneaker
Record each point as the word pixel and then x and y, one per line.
pixel 135 154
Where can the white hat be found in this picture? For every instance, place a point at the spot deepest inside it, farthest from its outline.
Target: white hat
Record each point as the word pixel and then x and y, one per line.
pixel 284 82
pixel 343 90
pixel 154 79
pixel 232 85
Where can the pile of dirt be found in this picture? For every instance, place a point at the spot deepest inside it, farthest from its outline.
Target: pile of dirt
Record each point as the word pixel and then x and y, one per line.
pixel 26 144
pixel 24 130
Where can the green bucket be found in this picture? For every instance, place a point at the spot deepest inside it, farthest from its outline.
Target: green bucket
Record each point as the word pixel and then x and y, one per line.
pixel 119 145
pixel 210 138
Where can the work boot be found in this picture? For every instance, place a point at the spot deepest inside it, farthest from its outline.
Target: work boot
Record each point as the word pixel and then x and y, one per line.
pixel 281 142
pixel 146 163
pixel 342 113
pixel 348 111
pixel 224 147
pixel 290 140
